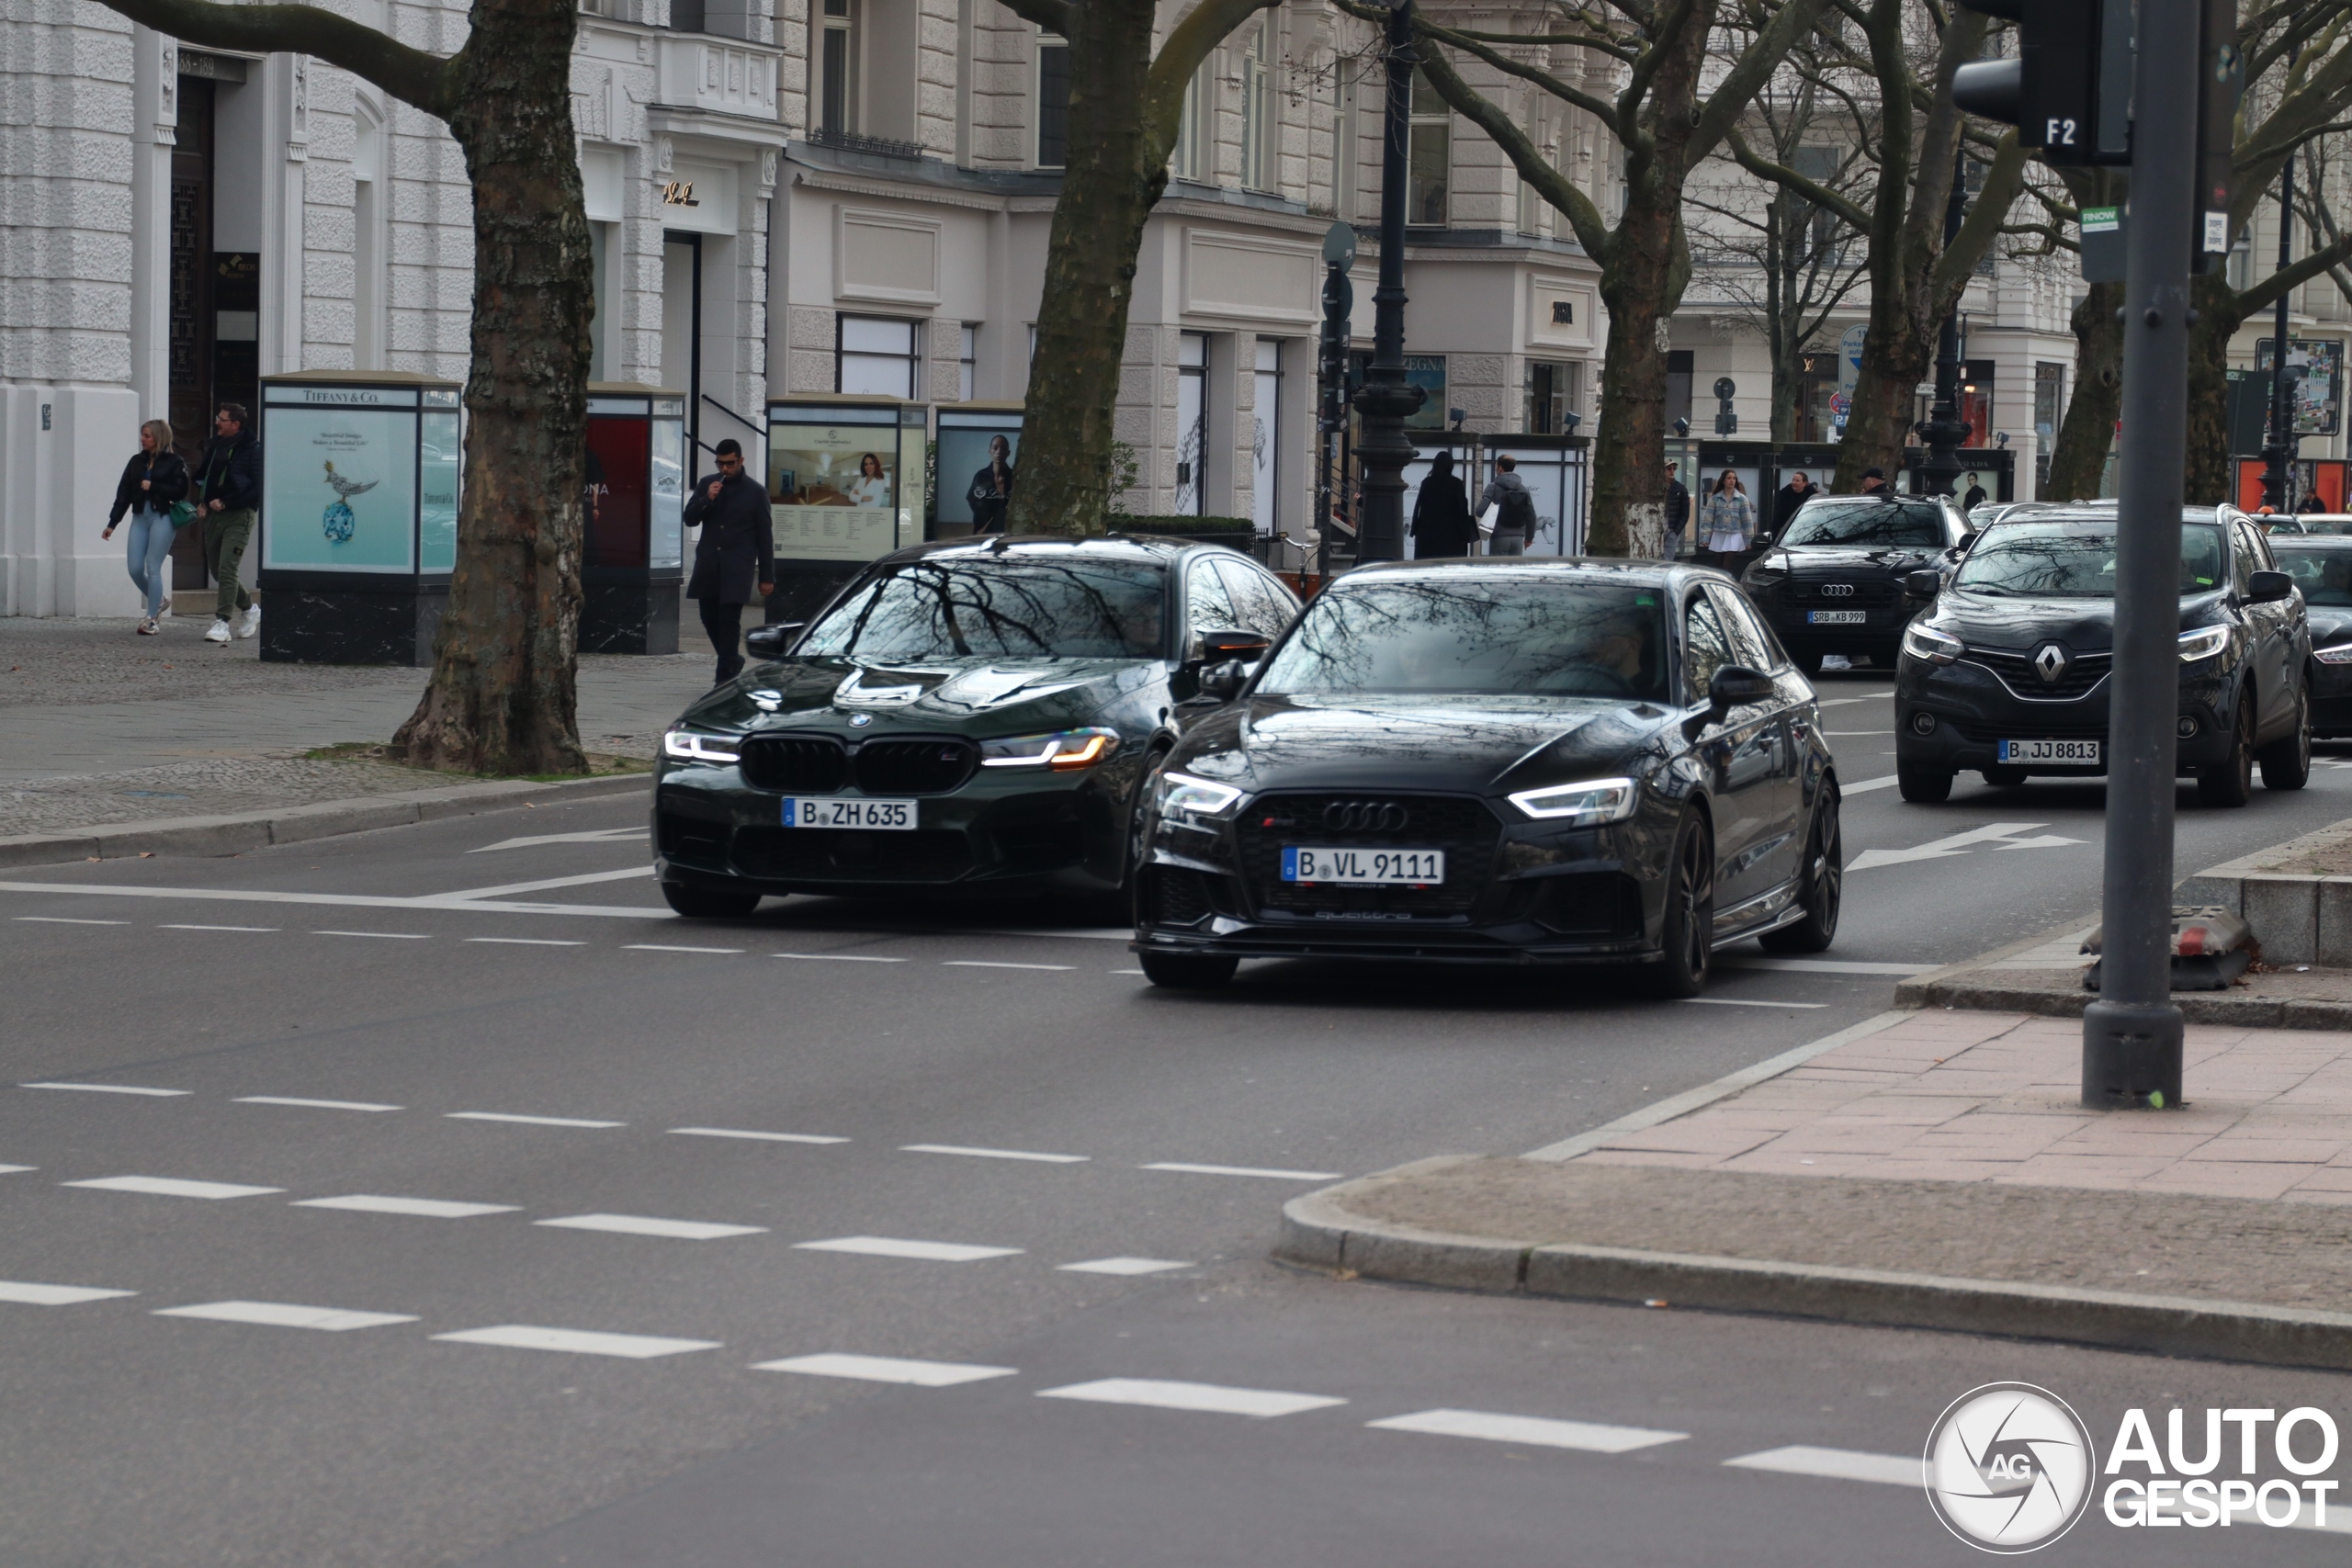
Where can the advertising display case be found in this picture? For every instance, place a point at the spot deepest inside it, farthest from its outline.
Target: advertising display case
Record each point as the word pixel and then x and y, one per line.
pixel 633 563
pixel 358 529
pixel 976 478
pixel 847 484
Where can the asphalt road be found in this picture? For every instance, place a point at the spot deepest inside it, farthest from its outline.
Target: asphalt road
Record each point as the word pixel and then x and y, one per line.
pixel 398 1197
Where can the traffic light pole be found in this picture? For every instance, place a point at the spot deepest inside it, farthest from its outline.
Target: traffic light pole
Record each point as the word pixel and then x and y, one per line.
pixel 1387 399
pixel 2280 449
pixel 1944 430
pixel 2132 1034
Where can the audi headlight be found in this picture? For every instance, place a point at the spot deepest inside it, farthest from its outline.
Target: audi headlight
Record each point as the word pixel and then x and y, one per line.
pixel 2340 654
pixel 1182 794
pixel 687 746
pixel 2203 643
pixel 1585 805
pixel 1929 645
pixel 1063 751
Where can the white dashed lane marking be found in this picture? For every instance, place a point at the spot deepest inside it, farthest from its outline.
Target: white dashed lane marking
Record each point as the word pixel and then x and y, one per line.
pixel 424 1208
pixel 892 1246
pixel 755 1137
pixel 1204 1396
pixel 886 1369
pixel 991 1154
pixel 68 920
pixel 1736 1002
pixel 666 947
pixel 1534 1430
pixel 112 1089
pixel 284 1315
pixel 1122 1265
pixel 249 931
pixel 387 936
pixel 841 957
pixel 577 1341
pixel 527 1120
pixel 16 1169
pixel 1245 1170
pixel 28 1295
pixel 524 941
pixel 986 963
pixel 171 1187
pixel 641 1225
pixel 1837 1464
pixel 314 1104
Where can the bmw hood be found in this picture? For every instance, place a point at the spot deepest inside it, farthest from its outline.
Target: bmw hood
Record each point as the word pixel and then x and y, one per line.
pixel 986 695
pixel 1462 743
pixel 2087 625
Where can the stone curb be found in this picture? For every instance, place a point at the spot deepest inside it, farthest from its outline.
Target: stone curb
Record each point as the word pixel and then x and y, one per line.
pixel 1954 989
pixel 235 832
pixel 1320 1231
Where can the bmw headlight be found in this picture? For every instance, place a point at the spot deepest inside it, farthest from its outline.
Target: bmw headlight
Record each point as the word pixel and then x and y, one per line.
pixel 1183 794
pixel 1926 644
pixel 688 746
pixel 1062 752
pixel 2203 643
pixel 2340 654
pixel 1585 805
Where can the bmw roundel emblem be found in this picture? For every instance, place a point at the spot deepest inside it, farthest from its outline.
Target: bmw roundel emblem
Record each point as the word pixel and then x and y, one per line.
pixel 860 720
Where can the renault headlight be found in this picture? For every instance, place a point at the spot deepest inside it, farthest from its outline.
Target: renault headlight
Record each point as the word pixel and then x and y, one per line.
pixel 1931 646
pixel 687 746
pixel 1183 794
pixel 1586 805
pixel 2203 643
pixel 1062 752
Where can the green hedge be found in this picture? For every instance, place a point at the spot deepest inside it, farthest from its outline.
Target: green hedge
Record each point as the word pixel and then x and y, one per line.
pixel 1178 522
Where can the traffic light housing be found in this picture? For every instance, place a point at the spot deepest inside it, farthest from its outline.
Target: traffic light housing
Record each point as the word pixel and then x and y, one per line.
pixel 2068 87
pixel 1331 358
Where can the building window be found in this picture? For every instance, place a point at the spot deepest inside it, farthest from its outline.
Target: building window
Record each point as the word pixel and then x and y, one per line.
pixel 2049 400
pixel 967 360
pixel 1266 439
pixel 1976 401
pixel 1191 418
pixel 685 16
pixel 1428 157
pixel 1257 128
pixel 1554 389
pixel 1193 130
pixel 1344 151
pixel 1678 371
pixel 1819 379
pixel 879 356
pixel 367 213
pixel 1053 102
pixel 837 98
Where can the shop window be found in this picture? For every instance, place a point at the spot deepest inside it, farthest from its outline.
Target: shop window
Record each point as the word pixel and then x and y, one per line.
pixel 1053 102
pixel 1554 389
pixel 1428 157
pixel 1266 442
pixel 1191 418
pixel 1976 401
pixel 1678 371
pixel 968 361
pixel 879 356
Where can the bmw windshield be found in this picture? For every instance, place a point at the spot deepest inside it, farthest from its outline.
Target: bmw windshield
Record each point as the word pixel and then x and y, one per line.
pixel 1029 605
pixel 1867 522
pixel 1467 635
pixel 2076 560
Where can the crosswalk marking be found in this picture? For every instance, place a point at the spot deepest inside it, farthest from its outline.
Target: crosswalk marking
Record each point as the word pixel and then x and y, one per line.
pixel 112 1089
pixel 1538 1431
pixel 528 1120
pixel 26 1294
pixel 1122 1265
pixel 892 1246
pixel 990 1154
pixel 885 1368
pixel 313 1104
pixel 1836 1464
pixel 1247 1171
pixel 285 1314
pixel 427 1208
pixel 172 1186
pixel 757 1138
pixel 640 1225
pixel 577 1341
pixel 1214 1398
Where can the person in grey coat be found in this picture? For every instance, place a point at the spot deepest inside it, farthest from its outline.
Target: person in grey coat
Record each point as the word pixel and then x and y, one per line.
pixel 735 555
pixel 1515 524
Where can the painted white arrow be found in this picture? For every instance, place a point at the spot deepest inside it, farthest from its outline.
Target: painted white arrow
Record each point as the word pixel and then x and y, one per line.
pixel 1958 844
pixel 2045 841
pixel 599 836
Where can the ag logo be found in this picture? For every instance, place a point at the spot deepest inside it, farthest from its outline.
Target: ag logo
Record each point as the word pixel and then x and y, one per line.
pixel 2010 1468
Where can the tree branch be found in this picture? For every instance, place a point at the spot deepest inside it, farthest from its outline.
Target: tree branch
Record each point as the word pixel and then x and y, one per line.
pixel 2267 292
pixel 426 81
pixel 1986 214
pixel 1189 41
pixel 1055 16
pixel 1849 212
pixel 1750 73
pixel 1555 188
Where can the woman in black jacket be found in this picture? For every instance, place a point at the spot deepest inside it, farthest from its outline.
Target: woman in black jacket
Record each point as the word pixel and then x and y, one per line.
pixel 152 482
pixel 1442 524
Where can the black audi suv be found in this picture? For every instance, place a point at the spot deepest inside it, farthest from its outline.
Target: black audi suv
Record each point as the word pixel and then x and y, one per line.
pixel 2321 565
pixel 1834 581
pixel 1567 762
pixel 2006 673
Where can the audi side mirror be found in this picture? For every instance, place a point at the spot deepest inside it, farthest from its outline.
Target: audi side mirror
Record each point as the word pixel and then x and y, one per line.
pixel 774 641
pixel 1219 646
pixel 2269 587
pixel 1923 584
pixel 1223 683
pixel 1735 685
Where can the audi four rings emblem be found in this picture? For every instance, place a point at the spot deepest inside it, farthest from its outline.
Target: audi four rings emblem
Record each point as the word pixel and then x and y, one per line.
pixel 1366 817
pixel 1837 590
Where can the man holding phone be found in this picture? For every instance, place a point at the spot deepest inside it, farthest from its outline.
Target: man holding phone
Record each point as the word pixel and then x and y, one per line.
pixel 735 555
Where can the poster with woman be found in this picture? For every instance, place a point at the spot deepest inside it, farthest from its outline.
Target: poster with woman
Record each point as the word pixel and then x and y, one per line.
pixel 833 490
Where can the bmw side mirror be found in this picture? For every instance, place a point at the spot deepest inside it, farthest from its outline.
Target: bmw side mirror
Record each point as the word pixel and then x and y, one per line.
pixel 1923 584
pixel 2269 587
pixel 774 641
pixel 1223 683
pixel 1218 646
pixel 1736 685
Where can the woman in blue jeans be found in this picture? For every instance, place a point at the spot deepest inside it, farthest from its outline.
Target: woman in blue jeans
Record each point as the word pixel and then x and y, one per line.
pixel 152 481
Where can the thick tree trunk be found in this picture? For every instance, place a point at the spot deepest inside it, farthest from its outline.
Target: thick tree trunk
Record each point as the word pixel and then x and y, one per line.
pixel 1629 450
pixel 502 697
pixel 1118 166
pixel 2078 460
pixel 2205 478
pixel 1878 427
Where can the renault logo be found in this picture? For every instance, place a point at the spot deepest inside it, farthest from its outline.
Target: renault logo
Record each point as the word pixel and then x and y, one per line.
pixel 2049 663
pixel 1837 590
pixel 1366 817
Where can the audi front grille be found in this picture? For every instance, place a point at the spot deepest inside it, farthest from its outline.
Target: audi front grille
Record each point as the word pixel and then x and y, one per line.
pixel 1465 830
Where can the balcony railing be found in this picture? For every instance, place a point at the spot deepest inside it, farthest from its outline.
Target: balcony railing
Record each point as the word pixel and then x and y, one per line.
pixel 850 141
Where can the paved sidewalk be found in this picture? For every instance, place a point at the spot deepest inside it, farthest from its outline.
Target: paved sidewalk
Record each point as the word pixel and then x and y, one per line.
pixel 2046 977
pixel 99 726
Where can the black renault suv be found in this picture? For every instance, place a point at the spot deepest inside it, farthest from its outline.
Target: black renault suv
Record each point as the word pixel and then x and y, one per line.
pixel 1834 579
pixel 2007 673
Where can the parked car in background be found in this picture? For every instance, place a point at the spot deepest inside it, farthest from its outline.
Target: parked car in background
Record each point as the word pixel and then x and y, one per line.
pixel 2323 523
pixel 2320 566
pixel 1837 579
pixel 2006 673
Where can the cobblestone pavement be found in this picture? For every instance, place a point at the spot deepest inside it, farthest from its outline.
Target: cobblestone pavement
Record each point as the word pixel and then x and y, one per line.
pixel 100 726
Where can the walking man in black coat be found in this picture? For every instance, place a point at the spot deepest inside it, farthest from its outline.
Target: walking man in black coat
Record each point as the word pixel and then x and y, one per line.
pixel 734 558
pixel 1442 521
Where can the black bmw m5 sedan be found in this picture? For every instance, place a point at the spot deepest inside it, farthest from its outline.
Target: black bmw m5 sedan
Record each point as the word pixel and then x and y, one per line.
pixel 1571 762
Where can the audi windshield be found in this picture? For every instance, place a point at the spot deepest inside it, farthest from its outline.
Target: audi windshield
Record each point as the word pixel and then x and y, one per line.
pixel 2076 560
pixel 1014 605
pixel 1863 520
pixel 1464 634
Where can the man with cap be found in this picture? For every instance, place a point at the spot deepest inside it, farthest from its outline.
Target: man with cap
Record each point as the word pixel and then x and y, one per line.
pixel 1873 481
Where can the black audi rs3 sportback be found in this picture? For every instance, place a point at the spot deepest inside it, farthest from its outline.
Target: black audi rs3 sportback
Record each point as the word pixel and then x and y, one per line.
pixel 2006 674
pixel 1836 580
pixel 1571 762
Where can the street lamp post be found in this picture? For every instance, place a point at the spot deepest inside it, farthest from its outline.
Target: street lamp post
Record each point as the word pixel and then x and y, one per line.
pixel 1386 399
pixel 1944 430
pixel 2278 474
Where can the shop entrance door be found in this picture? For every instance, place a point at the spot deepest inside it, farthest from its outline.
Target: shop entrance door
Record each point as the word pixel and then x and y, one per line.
pixel 192 323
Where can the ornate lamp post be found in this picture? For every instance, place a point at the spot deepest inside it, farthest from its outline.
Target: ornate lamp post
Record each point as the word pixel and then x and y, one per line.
pixel 1386 399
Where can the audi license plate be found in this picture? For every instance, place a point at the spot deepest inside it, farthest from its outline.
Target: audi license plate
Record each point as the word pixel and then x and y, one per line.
pixel 1362 867
pixel 802 812
pixel 2065 753
pixel 1836 617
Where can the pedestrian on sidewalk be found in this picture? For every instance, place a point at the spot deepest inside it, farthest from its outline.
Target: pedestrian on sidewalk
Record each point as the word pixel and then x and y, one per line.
pixel 1442 521
pixel 1515 523
pixel 735 555
pixel 152 483
pixel 1793 495
pixel 229 480
pixel 1726 520
pixel 1678 514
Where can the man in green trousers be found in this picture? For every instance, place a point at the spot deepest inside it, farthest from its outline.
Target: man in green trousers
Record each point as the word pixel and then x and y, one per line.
pixel 228 477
